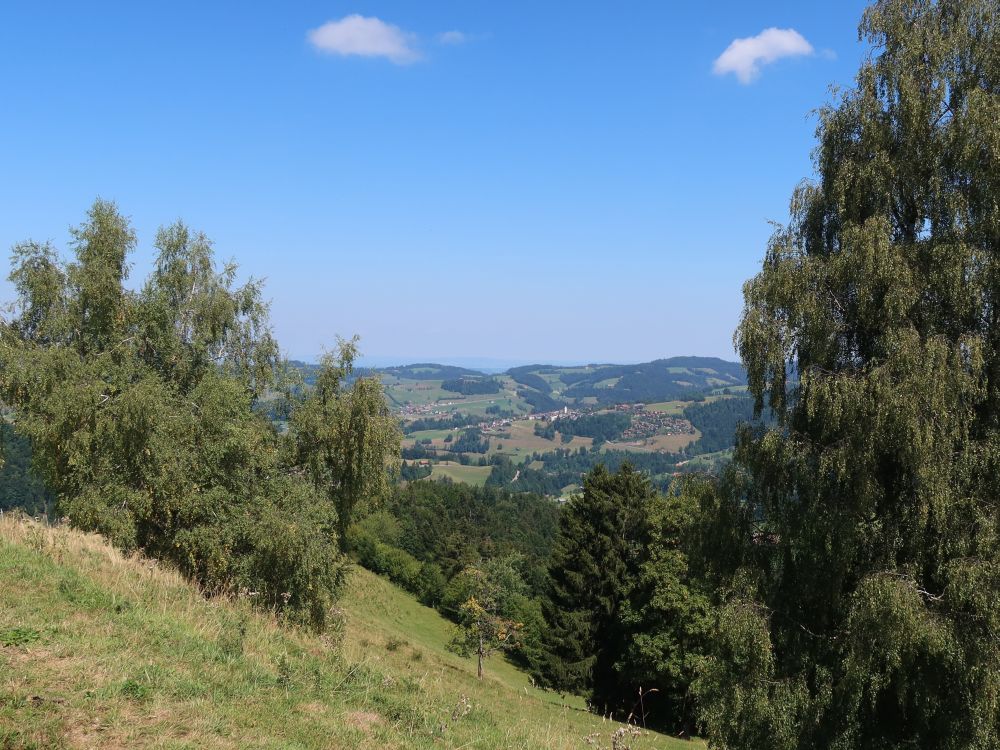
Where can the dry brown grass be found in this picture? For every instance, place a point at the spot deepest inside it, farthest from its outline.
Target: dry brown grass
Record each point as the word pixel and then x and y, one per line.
pixel 656 444
pixel 523 441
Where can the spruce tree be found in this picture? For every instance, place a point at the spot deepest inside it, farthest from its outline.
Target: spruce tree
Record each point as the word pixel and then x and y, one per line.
pixel 857 542
pixel 667 619
pixel 595 563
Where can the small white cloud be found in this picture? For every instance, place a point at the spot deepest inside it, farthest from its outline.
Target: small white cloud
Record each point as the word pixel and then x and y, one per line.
pixel 744 57
pixel 365 37
pixel 453 37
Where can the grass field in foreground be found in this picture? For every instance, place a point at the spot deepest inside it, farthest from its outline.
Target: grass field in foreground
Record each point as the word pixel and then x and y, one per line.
pixel 99 650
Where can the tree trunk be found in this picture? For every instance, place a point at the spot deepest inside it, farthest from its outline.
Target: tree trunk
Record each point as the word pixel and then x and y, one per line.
pixel 480 654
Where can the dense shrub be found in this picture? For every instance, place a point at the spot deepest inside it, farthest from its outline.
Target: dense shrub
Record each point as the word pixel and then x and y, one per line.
pixel 140 411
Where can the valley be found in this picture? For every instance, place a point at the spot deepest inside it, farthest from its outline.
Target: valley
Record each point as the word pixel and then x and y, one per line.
pixel 522 427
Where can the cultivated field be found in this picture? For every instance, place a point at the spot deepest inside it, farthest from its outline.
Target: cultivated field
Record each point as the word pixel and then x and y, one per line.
pixel 673 408
pixel 657 443
pixel 520 441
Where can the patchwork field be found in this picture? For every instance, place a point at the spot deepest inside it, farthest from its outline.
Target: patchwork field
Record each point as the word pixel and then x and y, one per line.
pixel 679 417
pixel 673 408
pixel 520 441
pixel 657 443
pixel 676 408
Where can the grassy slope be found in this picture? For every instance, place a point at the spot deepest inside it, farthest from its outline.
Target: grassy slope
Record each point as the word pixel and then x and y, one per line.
pixel 102 651
pixel 475 475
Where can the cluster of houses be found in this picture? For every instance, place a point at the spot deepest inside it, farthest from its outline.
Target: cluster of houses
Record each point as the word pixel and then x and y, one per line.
pixel 552 416
pixel 501 424
pixel 648 423
pixel 645 423
pixel 426 410
pixel 417 410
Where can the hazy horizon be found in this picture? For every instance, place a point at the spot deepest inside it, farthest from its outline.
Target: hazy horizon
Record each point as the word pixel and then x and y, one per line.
pixel 492 364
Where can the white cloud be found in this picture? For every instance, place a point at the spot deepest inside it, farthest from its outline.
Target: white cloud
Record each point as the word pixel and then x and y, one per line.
pixel 744 57
pixel 452 37
pixel 365 37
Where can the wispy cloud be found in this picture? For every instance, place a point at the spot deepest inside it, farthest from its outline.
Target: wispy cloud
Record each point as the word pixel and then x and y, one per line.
pixel 365 37
pixel 745 57
pixel 453 37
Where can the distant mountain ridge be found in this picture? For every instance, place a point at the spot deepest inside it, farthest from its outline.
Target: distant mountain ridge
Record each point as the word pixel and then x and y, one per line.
pixel 548 387
pixel 660 380
pixel 430 371
pixel 421 369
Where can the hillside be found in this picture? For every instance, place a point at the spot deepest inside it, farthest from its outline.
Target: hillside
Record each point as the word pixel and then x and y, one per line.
pixel 478 428
pixel 100 650
pixel 429 371
pixel 544 387
pixel 661 380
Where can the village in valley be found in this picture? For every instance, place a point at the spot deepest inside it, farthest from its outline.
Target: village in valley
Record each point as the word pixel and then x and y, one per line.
pixel 644 423
pixel 542 427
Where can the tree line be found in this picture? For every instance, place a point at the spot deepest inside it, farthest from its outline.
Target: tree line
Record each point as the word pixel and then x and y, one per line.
pixel 836 586
pixel 853 547
pixel 472 386
pixel 718 421
pixel 564 466
pixel 594 597
pixel 470 440
pixel 448 543
pixel 456 420
pixel 601 427
pixel 20 487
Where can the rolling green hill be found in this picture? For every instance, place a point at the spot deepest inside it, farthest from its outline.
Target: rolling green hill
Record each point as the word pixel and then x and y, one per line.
pixel 98 650
pixel 661 380
pixel 549 387
pixel 430 371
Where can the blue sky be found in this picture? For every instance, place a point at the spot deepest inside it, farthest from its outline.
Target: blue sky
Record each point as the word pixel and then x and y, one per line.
pixel 514 181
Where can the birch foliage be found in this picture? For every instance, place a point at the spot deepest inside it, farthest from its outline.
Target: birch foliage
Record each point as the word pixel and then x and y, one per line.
pixel 858 540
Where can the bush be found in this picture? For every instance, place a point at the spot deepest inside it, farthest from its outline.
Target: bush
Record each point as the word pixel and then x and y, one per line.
pixel 430 583
pixel 397 565
pixel 290 553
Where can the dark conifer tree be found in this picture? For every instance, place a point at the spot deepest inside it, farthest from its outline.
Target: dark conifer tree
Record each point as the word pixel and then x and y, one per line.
pixel 595 563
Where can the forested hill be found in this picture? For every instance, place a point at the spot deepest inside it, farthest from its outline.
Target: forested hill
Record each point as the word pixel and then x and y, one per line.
pixel 551 386
pixel 544 387
pixel 430 371
pixel 660 380
pixel 417 371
